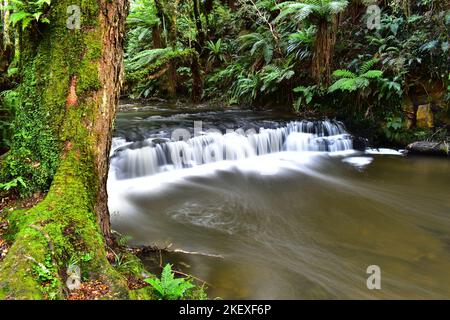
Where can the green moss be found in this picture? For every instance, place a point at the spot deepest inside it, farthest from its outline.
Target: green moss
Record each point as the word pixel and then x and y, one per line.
pixel 63 225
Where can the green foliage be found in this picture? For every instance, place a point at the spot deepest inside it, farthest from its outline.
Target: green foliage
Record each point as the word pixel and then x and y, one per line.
pixel 27 11
pixel 216 52
pixel 47 276
pixel 300 43
pixel 306 96
pixel 259 45
pixel 169 287
pixel 302 10
pixel 13 184
pixel 9 101
pixel 349 81
pixel 146 57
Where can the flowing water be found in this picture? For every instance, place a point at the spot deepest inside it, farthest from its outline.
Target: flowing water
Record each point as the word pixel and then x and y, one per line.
pixel 285 208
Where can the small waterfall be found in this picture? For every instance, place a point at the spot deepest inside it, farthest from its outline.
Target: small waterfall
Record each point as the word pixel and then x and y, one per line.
pixel 151 156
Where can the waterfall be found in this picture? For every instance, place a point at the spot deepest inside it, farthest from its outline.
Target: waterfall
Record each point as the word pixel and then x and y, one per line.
pixel 155 155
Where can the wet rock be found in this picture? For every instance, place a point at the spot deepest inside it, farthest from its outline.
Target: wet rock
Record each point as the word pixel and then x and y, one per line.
pixel 425 117
pixel 360 143
pixel 429 148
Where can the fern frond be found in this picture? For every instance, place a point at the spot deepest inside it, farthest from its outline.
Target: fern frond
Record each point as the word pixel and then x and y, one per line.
pixel 344 84
pixel 372 74
pixel 368 65
pixel 337 6
pixel 344 74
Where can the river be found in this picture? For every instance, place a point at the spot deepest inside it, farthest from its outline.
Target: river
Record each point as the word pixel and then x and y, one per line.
pixel 278 207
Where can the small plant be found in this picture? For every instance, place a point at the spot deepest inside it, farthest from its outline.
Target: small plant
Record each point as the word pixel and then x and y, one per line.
pixel 13 184
pixel 216 51
pixel 169 287
pixel 306 96
pixel 47 276
pixel 394 123
pixel 27 11
pixel 120 262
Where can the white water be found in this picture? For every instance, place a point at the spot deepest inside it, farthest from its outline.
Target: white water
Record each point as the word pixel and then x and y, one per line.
pixel 149 158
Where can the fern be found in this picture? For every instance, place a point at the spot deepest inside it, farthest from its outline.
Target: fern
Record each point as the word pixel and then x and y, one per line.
pixel 368 65
pixel 145 57
pixel 372 74
pixel 349 81
pixel 344 84
pixel 24 13
pixel 303 10
pixel 169 287
pixel 260 44
pixel 344 74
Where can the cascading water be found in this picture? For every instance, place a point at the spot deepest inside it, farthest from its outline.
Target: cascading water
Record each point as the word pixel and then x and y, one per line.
pixel 291 217
pixel 155 155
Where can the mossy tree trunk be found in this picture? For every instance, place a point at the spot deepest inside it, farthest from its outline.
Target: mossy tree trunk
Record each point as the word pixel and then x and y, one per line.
pixel 172 10
pixel 69 94
pixel 198 23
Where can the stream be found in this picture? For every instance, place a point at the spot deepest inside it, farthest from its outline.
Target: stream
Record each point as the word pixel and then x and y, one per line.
pixel 278 207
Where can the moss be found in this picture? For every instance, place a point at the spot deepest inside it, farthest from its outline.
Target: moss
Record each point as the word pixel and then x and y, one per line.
pixel 63 225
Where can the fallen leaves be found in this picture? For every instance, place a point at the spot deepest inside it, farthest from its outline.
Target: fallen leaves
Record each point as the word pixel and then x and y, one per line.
pixel 136 283
pixel 92 290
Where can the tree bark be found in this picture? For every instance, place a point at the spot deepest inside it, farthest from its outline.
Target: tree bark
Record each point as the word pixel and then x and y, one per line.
pixel 323 51
pixel 158 41
pixel 199 26
pixel 197 84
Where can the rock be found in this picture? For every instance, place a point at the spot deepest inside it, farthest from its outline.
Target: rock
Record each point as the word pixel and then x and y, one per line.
pixel 360 143
pixel 409 112
pixel 429 148
pixel 425 117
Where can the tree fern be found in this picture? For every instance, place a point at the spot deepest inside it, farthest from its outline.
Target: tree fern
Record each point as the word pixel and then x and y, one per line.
pixel 304 9
pixel 145 57
pixel 349 81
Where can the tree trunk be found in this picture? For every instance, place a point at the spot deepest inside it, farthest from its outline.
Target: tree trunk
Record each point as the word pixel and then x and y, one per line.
pixel 209 6
pixel 323 51
pixel 70 91
pixel 199 26
pixel 167 12
pixel 197 84
pixel 158 42
pixel 156 37
pixel 6 31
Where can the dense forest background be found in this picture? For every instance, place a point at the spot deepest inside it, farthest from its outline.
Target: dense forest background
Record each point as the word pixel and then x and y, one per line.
pixel 384 77
pixel 381 66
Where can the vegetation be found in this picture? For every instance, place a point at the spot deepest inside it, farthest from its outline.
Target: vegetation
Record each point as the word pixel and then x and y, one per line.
pixel 168 287
pixel 60 89
pixel 294 53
